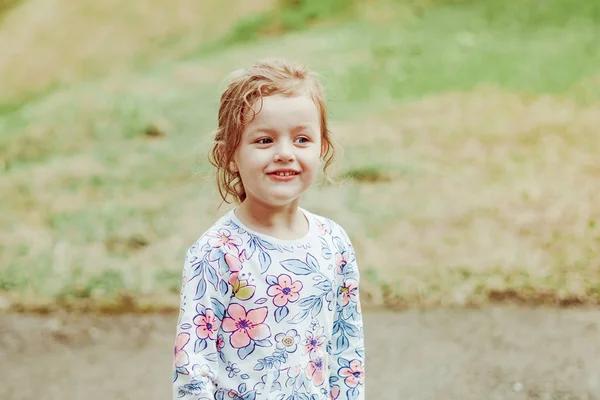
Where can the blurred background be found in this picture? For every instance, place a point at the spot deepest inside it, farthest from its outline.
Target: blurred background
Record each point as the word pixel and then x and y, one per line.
pixel 469 182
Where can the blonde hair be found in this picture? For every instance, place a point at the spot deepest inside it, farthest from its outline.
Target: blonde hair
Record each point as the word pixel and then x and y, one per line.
pixel 245 87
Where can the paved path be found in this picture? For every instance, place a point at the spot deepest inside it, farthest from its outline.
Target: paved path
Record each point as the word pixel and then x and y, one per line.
pixel 496 353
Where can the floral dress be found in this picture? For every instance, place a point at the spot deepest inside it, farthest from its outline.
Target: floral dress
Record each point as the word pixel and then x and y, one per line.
pixel 269 319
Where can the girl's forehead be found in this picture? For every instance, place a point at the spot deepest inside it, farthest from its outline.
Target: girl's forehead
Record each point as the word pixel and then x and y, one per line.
pixel 278 109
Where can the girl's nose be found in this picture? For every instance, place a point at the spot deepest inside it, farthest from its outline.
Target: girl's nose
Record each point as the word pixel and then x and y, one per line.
pixel 283 153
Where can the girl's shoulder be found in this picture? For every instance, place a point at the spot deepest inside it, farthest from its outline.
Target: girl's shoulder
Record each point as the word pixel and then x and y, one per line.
pixel 328 227
pixel 220 233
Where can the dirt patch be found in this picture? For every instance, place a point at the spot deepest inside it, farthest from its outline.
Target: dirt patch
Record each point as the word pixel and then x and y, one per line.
pixel 460 354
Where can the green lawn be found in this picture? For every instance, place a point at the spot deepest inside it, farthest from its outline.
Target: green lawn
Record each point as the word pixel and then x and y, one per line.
pixel 469 137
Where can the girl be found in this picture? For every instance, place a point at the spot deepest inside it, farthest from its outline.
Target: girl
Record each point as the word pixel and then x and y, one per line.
pixel 270 305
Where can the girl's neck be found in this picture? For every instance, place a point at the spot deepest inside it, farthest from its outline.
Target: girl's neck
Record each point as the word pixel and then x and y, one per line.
pixel 282 222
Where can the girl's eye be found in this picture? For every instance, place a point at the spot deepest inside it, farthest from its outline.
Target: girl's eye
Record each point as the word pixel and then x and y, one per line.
pixel 303 139
pixel 264 141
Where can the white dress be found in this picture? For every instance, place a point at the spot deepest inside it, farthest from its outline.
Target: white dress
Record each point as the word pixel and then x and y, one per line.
pixel 263 318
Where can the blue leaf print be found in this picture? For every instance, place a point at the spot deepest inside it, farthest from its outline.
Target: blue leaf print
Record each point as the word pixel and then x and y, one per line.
pixel 212 275
pixel 307 302
pixel 312 262
pixel 179 370
pixel 262 300
pixel 218 308
pixel 245 351
pixel 325 252
pixel 342 344
pixel 334 379
pixel 265 261
pixel 339 244
pixel 314 397
pixel 360 351
pixel 267 245
pixel 200 345
pixel 249 396
pixel 198 269
pixel 272 280
pixel 351 330
pixel 263 343
pixel 205 248
pixel 296 267
pixel 301 316
pixel 245 376
pixel 200 308
pixel 352 393
pixel 260 365
pixel 343 363
pixel 280 396
pixel 317 307
pixel 200 290
pixel 223 267
pixel 251 247
pixel 336 326
pixel 216 254
pixel 186 326
pixel 242 388
pixel 220 395
pixel 290 381
pixel 223 287
pixel 324 286
pixel 281 313
pixel 212 357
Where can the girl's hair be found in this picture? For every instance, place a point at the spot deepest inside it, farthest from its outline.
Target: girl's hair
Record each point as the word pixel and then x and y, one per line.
pixel 246 86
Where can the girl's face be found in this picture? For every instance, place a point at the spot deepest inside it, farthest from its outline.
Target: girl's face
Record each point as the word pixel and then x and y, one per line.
pixel 279 154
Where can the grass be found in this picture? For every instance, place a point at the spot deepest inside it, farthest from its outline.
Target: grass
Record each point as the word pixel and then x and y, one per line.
pixel 468 176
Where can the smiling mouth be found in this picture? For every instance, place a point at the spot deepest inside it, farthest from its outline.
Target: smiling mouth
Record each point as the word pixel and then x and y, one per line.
pixel 284 173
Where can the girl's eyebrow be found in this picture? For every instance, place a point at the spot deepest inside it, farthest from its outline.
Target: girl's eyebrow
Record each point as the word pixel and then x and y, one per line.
pixel 260 129
pixel 295 129
pixel 301 128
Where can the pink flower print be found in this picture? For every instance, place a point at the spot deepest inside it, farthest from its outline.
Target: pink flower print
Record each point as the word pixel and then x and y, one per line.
pixel 223 238
pixel 234 263
pixel 323 229
pixel 246 326
pixel 180 357
pixel 220 342
pixel 206 325
pixel 341 260
pixel 348 292
pixel 354 375
pixel 284 290
pixel 313 344
pixel 315 370
pixel 335 392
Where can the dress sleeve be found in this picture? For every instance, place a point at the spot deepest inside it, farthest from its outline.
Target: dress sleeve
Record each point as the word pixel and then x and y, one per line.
pixel 198 343
pixel 347 356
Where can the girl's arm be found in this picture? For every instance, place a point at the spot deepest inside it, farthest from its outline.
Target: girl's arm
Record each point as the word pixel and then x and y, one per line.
pixel 197 345
pixel 347 353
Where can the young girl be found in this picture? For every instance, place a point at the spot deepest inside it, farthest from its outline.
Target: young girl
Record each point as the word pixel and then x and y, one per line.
pixel 270 303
